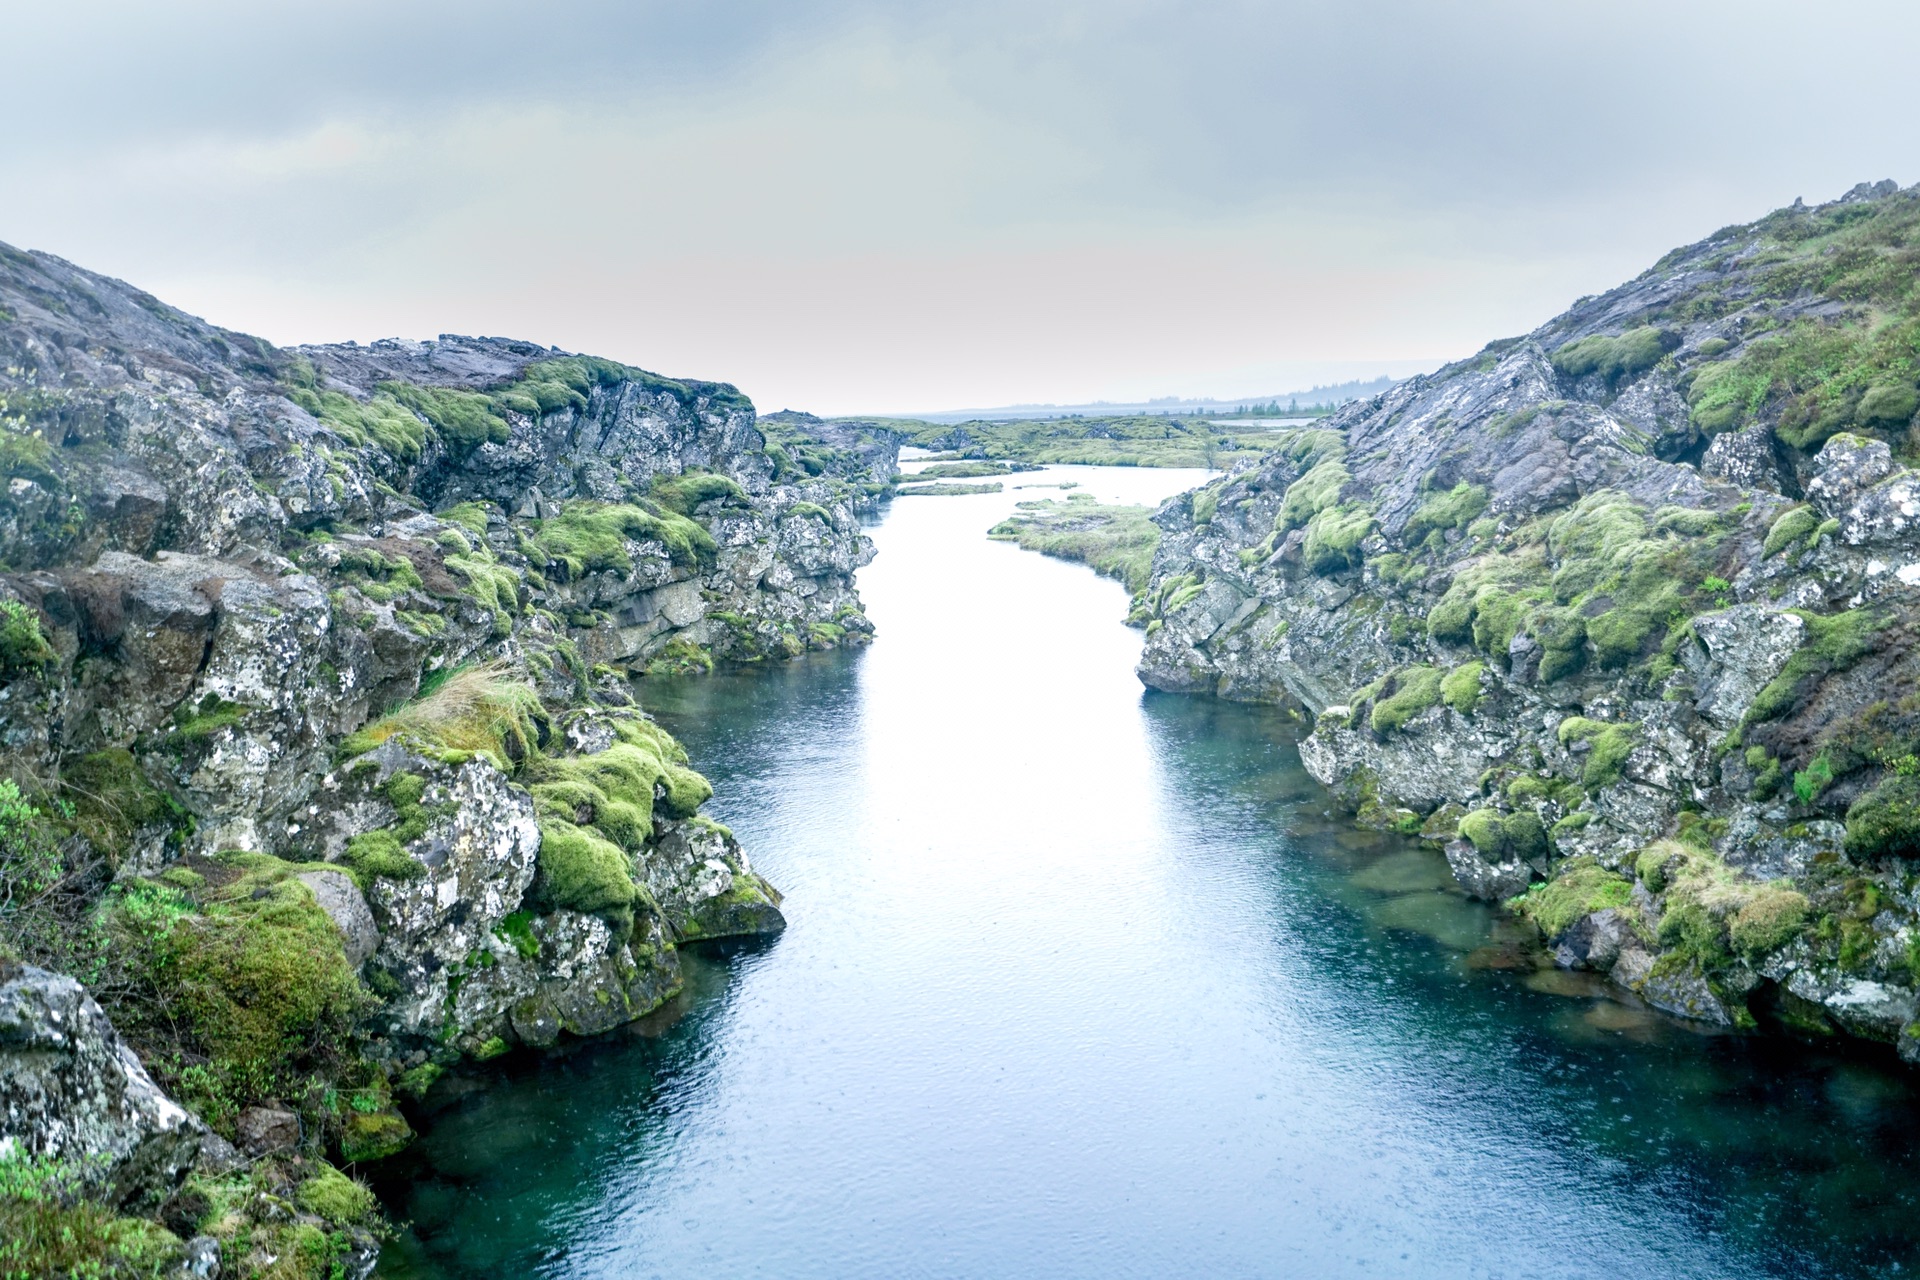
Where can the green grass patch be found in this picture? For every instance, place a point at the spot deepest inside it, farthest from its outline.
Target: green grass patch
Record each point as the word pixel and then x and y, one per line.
pixel 1117 541
pixel 480 710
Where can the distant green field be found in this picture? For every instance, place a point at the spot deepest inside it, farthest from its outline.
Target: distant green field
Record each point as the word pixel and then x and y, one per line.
pixel 1146 440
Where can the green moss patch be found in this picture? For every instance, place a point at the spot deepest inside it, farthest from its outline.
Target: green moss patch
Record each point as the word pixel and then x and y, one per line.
pixel 1710 912
pixel 1816 378
pixel 374 1137
pixel 48 1228
pixel 332 1195
pixel 108 798
pixel 582 871
pixel 1606 578
pixel 1457 508
pixel 593 537
pixel 246 983
pixel 1498 837
pixel 23 647
pixel 1771 918
pixel 684 493
pixel 1406 694
pixel 382 422
pixel 681 657
pixel 1609 744
pixel 1579 888
pixel 1615 358
pixel 464 419
pixel 1791 526
pixel 199 722
pixel 1835 642
pixel 1334 536
pixel 597 810
pixel 1885 822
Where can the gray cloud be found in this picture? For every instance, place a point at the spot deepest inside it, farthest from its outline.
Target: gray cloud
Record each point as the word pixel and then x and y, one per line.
pixel 867 205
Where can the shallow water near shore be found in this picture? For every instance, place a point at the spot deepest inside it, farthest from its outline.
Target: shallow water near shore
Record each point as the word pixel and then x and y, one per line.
pixel 1086 981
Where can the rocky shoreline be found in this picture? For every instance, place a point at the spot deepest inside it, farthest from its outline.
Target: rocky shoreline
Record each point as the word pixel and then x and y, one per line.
pixel 325 771
pixel 1620 614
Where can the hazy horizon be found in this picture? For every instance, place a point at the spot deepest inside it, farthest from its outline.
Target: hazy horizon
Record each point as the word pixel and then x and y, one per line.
pixel 848 206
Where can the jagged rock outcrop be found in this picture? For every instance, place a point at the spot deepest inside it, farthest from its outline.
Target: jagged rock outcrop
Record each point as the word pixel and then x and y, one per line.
pixel 1622 609
pixel 316 695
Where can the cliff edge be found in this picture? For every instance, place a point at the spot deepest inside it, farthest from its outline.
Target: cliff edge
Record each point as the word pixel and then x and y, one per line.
pixel 1622 614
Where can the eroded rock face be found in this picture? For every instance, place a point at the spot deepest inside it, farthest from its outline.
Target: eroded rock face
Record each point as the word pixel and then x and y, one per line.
pixel 72 1090
pixel 1574 580
pixel 474 958
pixel 223 561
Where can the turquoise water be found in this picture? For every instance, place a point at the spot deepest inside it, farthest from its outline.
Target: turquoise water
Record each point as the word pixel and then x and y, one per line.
pixel 1084 981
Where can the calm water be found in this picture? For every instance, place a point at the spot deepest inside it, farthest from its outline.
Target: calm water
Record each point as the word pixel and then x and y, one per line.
pixel 1084 982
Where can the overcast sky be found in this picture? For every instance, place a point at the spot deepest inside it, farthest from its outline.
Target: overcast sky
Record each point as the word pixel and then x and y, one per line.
pixel 858 206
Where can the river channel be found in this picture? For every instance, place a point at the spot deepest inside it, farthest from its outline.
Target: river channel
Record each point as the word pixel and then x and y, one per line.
pixel 1083 981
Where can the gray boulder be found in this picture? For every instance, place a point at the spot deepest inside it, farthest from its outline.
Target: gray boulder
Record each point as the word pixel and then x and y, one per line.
pixel 1488 881
pixel 346 906
pixel 71 1090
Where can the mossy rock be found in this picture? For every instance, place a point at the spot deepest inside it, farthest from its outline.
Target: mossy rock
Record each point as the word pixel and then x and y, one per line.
pixel 1334 537
pixel 1579 888
pixel 1407 693
pixel 253 977
pixel 374 1136
pixel 1885 822
pixel 751 906
pixel 1770 919
pixel 334 1196
pixel 1609 744
pixel 580 870
pixel 1499 837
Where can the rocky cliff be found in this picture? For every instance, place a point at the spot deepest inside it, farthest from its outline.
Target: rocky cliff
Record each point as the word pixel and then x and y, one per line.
pixel 1622 613
pixel 324 767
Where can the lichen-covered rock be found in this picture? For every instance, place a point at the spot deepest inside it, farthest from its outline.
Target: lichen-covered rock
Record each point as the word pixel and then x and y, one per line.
pixel 71 1090
pixel 1488 881
pixel 699 875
